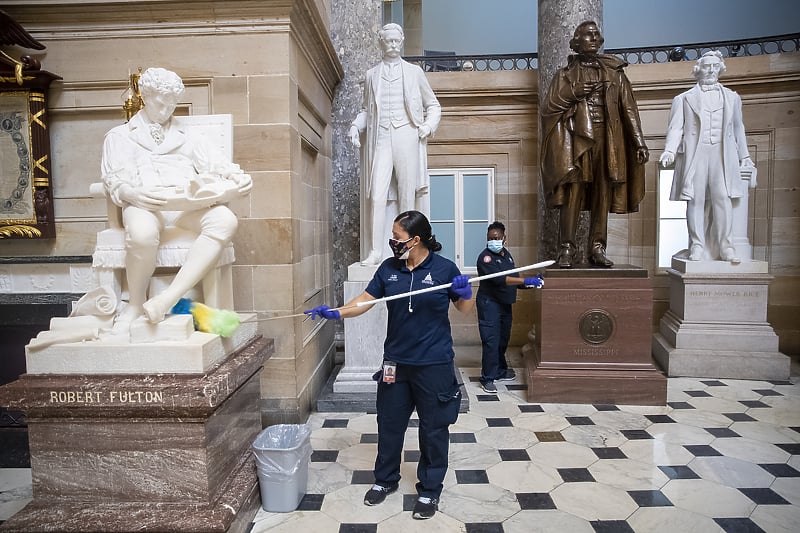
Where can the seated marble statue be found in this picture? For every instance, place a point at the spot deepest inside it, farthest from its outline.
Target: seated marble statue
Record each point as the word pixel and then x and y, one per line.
pixel 159 176
pixel 706 142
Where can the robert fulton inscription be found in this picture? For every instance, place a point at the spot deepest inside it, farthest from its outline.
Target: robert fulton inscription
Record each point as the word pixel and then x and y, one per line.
pixel 104 398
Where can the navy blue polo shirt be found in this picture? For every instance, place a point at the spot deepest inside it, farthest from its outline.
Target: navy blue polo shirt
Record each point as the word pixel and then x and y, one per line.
pixel 496 288
pixel 418 328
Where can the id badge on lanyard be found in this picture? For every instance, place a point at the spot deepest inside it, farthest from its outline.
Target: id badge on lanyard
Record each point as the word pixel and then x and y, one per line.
pixel 389 371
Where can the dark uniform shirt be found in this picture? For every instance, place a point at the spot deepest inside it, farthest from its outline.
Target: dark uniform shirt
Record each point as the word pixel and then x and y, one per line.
pixel 418 327
pixel 496 288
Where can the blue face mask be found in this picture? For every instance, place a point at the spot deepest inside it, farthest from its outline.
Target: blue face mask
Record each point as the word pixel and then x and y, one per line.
pixel 495 246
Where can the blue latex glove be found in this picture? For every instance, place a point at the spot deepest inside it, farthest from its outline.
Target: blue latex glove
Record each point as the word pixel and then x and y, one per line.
pixel 536 282
pixel 461 287
pixel 323 311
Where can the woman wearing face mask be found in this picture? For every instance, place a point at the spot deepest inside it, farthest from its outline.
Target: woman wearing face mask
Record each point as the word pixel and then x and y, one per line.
pixel 418 370
pixel 494 300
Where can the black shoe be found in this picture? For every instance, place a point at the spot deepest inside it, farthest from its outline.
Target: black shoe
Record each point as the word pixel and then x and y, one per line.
pixel 598 256
pixel 489 387
pixel 378 493
pixel 510 375
pixel 567 255
pixel 425 508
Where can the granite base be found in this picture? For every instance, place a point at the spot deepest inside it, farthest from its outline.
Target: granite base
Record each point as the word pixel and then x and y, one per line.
pixel 717 326
pixel 591 341
pixel 143 452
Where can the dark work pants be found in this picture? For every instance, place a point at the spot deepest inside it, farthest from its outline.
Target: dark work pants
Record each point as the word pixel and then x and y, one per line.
pixel 494 326
pixel 434 392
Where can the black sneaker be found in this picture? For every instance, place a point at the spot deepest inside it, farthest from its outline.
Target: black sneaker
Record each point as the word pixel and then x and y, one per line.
pixel 489 387
pixel 510 375
pixel 378 493
pixel 425 508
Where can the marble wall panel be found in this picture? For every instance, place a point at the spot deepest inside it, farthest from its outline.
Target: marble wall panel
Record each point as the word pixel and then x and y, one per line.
pixel 264 241
pixel 272 193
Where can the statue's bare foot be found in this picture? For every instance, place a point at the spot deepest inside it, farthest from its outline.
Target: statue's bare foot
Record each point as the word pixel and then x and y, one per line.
pixel 123 321
pixel 156 308
pixel 374 258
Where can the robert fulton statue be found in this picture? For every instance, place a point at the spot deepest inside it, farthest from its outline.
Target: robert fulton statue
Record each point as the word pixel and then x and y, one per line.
pixel 593 151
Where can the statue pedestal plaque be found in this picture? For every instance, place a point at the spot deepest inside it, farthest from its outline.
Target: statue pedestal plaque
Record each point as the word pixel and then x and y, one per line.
pixel 592 339
pixel 143 452
pixel 717 326
pixel 363 337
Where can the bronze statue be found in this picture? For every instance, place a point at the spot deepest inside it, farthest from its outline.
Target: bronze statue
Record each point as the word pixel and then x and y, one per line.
pixel 593 151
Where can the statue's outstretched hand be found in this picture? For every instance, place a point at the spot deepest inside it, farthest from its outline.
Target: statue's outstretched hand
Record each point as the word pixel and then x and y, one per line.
pixel 243 181
pixel 666 159
pixel 355 136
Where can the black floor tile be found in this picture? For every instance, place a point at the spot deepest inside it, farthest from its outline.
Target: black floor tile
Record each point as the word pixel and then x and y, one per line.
pixel 660 419
pixel 779 382
pixel 535 501
pixel 516 386
pixel 411 456
pixel 514 455
pixel 680 405
pixel 738 525
pixel 767 392
pixel 311 502
pixel 462 438
pixel 679 472
pixel 649 498
pixel 575 475
pixel 697 393
pixel 549 436
pixel 713 383
pixel 369 438
pixel 487 397
pixel 580 420
pixel 530 408
pixel 471 477
pixel 611 526
pixel 792 448
pixel 362 477
pixel 483 527
pixel 635 434
pixel 764 496
pixel 499 422
pixel 780 470
pixel 795 428
pixel 324 456
pixel 739 417
pixel 702 450
pixel 722 432
pixel 753 404
pixel 335 423
pixel 610 452
pixel 606 407
pixel 408 501
pixel 475 379
pixel 358 528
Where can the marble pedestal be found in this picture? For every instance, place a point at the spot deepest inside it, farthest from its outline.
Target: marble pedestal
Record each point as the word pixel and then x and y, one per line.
pixel 143 452
pixel 363 337
pixel 717 326
pixel 592 339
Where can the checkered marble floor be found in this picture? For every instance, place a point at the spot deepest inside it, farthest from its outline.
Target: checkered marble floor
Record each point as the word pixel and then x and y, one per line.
pixel 722 456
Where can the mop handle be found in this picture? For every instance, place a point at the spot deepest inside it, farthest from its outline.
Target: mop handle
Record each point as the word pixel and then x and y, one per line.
pixel 535 266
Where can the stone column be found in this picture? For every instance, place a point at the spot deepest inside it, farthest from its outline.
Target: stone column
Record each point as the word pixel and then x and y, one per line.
pixel 412 27
pixel 354 32
pixel 557 22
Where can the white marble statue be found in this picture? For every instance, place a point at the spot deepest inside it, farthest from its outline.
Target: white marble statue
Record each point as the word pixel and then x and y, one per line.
pixel 706 141
pixel 159 176
pixel 399 113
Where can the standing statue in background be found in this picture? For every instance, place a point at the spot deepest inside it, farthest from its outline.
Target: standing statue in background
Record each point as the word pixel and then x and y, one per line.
pixel 399 113
pixel 160 177
pixel 593 150
pixel 706 141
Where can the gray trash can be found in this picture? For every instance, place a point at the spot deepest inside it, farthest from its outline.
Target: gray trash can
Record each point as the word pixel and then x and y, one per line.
pixel 282 453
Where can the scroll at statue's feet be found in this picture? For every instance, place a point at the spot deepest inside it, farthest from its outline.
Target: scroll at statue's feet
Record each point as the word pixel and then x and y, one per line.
pixel 374 258
pixel 156 308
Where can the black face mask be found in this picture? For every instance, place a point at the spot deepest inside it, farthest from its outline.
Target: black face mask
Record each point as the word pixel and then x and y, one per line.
pixel 398 247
